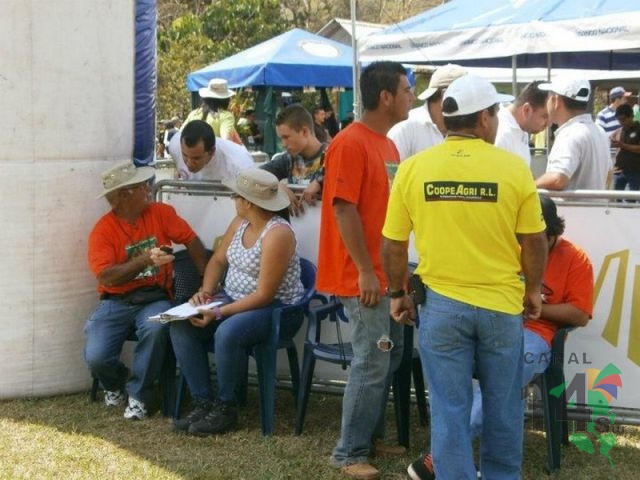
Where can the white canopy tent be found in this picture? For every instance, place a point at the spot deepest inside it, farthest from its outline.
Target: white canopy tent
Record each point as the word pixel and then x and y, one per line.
pixel 602 35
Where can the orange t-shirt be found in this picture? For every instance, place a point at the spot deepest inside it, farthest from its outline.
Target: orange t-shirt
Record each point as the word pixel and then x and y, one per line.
pixel 359 165
pixel 568 278
pixel 114 240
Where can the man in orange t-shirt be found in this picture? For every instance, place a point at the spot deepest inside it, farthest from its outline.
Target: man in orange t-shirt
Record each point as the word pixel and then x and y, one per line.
pixel 567 300
pixel 130 255
pixel 358 165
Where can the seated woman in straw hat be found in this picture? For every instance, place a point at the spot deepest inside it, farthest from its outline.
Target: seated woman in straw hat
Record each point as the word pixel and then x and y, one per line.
pixel 258 253
pixel 215 110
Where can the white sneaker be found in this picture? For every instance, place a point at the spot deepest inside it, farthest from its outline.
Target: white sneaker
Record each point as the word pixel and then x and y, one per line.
pixel 135 410
pixel 115 398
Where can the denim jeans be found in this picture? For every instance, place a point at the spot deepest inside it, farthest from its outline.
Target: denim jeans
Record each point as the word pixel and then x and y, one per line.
pixel 621 180
pixel 456 340
pixel 106 331
pixel 365 395
pixel 536 359
pixel 232 336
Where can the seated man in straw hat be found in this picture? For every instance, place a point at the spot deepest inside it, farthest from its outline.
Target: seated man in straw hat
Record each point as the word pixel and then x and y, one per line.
pixel 129 253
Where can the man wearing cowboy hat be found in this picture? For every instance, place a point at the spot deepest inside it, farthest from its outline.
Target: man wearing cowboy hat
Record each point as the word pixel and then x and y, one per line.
pixel 215 110
pixel 425 126
pixel 129 253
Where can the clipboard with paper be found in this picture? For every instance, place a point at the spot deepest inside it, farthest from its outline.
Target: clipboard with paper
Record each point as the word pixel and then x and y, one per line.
pixel 184 311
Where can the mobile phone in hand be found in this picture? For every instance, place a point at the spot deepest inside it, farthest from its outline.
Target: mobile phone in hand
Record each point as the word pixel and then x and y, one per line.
pixel 166 249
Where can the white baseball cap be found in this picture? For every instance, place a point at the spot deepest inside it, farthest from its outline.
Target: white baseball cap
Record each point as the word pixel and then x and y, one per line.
pixel 575 88
pixel 442 78
pixel 471 94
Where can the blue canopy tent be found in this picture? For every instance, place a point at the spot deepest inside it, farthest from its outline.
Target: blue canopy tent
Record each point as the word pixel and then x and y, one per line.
pixel 295 59
pixel 593 34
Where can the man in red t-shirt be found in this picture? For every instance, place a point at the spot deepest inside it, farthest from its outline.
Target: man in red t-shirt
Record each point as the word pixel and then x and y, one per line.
pixel 359 165
pixel 567 300
pixel 130 255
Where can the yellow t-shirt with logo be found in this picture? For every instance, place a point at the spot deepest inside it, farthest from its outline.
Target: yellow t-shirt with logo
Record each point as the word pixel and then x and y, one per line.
pixel 465 200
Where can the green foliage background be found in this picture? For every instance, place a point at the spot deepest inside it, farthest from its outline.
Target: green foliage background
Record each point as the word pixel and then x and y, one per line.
pixel 196 33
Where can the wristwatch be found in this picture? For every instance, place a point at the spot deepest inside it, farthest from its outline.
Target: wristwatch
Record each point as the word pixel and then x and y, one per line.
pixel 396 293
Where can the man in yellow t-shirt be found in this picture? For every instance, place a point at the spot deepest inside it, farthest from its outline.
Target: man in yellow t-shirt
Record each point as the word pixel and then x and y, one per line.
pixel 469 204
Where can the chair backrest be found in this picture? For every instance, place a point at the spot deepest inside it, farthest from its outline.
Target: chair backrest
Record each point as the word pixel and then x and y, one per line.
pixel 308 278
pixel 186 277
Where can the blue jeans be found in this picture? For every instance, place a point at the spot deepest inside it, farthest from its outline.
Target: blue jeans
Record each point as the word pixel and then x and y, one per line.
pixel 232 336
pixel 106 331
pixel 456 340
pixel 536 359
pixel 621 180
pixel 365 395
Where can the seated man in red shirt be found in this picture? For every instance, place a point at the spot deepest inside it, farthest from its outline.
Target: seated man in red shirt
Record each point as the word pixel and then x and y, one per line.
pixel 567 300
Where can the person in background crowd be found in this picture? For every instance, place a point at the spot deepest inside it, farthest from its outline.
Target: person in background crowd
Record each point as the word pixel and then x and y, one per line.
pixel 527 115
pixel 354 201
pixel 135 281
pixel 606 118
pixel 258 254
pixel 319 129
pixel 199 156
pixel 627 140
pixel 567 301
pixel 254 136
pixel 468 204
pixel 330 121
pixel 303 161
pixel 579 157
pixel 215 110
pixel 425 126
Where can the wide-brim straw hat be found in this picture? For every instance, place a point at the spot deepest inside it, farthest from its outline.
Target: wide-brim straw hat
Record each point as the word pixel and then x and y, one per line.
pixel 217 88
pixel 123 174
pixel 259 187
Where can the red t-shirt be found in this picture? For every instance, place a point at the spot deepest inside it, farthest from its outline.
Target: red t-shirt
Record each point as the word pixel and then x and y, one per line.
pixel 113 240
pixel 568 278
pixel 359 164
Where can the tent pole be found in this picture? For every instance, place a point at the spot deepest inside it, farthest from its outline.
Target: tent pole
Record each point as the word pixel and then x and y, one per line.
pixel 354 46
pixel 514 76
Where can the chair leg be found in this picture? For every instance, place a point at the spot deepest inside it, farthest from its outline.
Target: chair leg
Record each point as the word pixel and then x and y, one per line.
pixel 308 365
pixel 181 385
pixel 93 395
pixel 266 366
pixel 421 397
pixel 294 370
pixel 168 383
pixel 402 389
pixel 243 381
pixel 553 426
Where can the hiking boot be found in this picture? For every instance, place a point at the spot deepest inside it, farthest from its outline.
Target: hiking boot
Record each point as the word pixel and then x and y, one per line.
pixel 115 398
pixel 382 449
pixel 422 468
pixel 221 418
pixel 200 409
pixel 360 471
pixel 135 410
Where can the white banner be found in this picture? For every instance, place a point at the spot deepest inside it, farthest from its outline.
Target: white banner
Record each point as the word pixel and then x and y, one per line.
pixel 609 234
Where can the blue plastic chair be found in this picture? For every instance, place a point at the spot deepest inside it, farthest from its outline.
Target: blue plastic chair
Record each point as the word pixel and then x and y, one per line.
pixel 265 354
pixel 340 353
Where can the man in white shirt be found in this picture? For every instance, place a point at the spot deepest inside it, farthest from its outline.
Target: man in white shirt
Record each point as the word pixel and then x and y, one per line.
pixel 579 158
pixel 425 126
pixel 199 155
pixel 526 115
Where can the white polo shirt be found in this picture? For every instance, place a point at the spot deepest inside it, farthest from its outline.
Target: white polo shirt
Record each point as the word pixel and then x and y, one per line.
pixel 228 159
pixel 415 134
pixel 511 137
pixel 581 152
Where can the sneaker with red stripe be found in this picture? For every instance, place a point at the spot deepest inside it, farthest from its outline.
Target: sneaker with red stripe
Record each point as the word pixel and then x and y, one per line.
pixel 422 468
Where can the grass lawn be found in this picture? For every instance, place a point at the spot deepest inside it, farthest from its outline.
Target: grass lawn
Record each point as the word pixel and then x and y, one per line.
pixel 66 437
